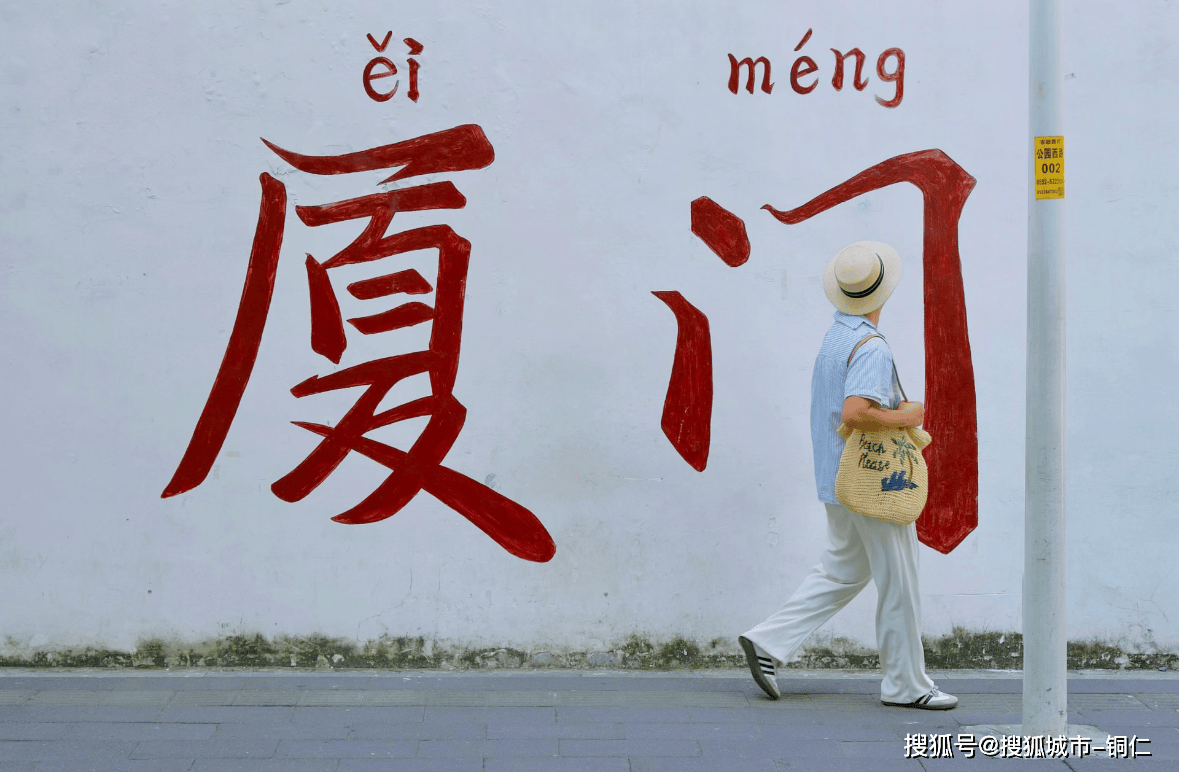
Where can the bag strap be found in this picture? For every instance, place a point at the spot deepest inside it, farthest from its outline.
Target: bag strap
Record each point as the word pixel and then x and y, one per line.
pixel 894 364
pixel 862 342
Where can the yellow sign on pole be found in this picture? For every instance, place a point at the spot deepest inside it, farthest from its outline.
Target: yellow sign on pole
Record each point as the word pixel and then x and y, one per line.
pixel 1048 167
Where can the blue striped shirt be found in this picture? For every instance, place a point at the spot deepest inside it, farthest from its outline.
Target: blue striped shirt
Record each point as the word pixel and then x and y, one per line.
pixel 870 375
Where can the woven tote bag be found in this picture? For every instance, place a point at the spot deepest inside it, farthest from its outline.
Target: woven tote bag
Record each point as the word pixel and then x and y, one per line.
pixel 882 473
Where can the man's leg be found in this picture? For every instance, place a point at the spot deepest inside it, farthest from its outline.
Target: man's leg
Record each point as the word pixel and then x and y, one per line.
pixel 892 554
pixel 844 571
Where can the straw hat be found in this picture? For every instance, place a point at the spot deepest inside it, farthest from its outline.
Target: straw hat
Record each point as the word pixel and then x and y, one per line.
pixel 862 276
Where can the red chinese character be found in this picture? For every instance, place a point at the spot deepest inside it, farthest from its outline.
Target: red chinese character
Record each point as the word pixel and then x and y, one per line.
pixel 952 510
pixel 459 149
pixel 951 416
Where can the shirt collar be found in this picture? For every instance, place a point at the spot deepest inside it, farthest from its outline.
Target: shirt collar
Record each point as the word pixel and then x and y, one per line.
pixel 853 321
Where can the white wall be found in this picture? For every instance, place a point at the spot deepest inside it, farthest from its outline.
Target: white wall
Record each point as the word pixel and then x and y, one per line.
pixel 129 163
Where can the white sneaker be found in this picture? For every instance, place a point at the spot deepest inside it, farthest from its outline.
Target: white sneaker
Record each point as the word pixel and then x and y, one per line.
pixel 935 700
pixel 761 667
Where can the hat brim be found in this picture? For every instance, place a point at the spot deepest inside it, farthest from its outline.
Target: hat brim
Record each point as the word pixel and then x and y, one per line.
pixel 865 305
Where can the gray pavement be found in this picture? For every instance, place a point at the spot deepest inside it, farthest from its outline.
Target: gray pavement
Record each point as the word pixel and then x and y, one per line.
pixel 559 721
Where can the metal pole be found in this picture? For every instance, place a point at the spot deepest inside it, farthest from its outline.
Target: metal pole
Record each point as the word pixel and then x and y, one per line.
pixel 1045 648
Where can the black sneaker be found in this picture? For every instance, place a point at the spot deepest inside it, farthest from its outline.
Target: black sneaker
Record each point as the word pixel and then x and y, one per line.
pixel 935 700
pixel 761 667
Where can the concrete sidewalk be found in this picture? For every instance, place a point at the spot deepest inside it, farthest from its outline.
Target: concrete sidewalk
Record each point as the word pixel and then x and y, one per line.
pixel 564 721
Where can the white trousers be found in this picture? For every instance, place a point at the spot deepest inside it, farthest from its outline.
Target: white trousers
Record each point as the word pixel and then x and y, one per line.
pixel 861 548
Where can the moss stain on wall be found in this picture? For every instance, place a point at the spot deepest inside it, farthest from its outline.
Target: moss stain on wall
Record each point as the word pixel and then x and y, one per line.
pixel 961 649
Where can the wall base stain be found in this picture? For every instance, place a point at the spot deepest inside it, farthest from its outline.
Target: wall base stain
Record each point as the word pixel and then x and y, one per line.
pixel 961 649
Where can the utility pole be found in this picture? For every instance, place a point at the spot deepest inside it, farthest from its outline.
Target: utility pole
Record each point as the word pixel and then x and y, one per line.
pixel 1045 646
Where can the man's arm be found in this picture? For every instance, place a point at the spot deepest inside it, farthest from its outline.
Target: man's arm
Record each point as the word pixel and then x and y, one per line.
pixel 861 413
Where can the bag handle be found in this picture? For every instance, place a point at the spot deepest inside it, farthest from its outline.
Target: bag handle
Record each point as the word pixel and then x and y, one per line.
pixel 894 364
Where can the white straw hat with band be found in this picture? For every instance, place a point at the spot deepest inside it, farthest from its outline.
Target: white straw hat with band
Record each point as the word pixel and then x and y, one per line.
pixel 862 276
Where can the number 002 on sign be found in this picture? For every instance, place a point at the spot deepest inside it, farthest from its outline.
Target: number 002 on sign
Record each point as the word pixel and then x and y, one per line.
pixel 1048 167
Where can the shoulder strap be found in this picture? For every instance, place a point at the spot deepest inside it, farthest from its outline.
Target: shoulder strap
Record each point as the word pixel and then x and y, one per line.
pixel 894 364
pixel 862 342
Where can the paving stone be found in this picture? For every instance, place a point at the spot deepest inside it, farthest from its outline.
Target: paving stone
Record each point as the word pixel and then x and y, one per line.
pixel 835 702
pixel 90 681
pixel 354 698
pixel 726 731
pixel 926 722
pixel 303 680
pixel 872 750
pixel 412 765
pixel 283 730
pixel 448 682
pixel 266 765
pixel 36 750
pixel 347 749
pixel 670 748
pixel 365 723
pixel 202 698
pixel 843 733
pixel 719 716
pixel 197 682
pixel 811 686
pixel 658 699
pixel 1159 701
pixel 457 749
pixel 418 730
pixel 558 765
pixel 773 748
pixel 1122 685
pixel 625 715
pixel 518 730
pixel 15 696
pixel 72 713
pixel 141 731
pixel 585 683
pixel 266 697
pixel 30 731
pixel 880 717
pixel 223 714
pixel 131 699
pixel 1131 718
pixel 152 765
pixel 350 716
pixel 658 764
pixel 975 718
pixel 236 748
pixel 438 715
pixel 1084 703
pixel 850 765
pixel 493 699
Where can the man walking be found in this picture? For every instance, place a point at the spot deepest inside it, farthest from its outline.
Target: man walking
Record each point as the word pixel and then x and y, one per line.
pixel 854 382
